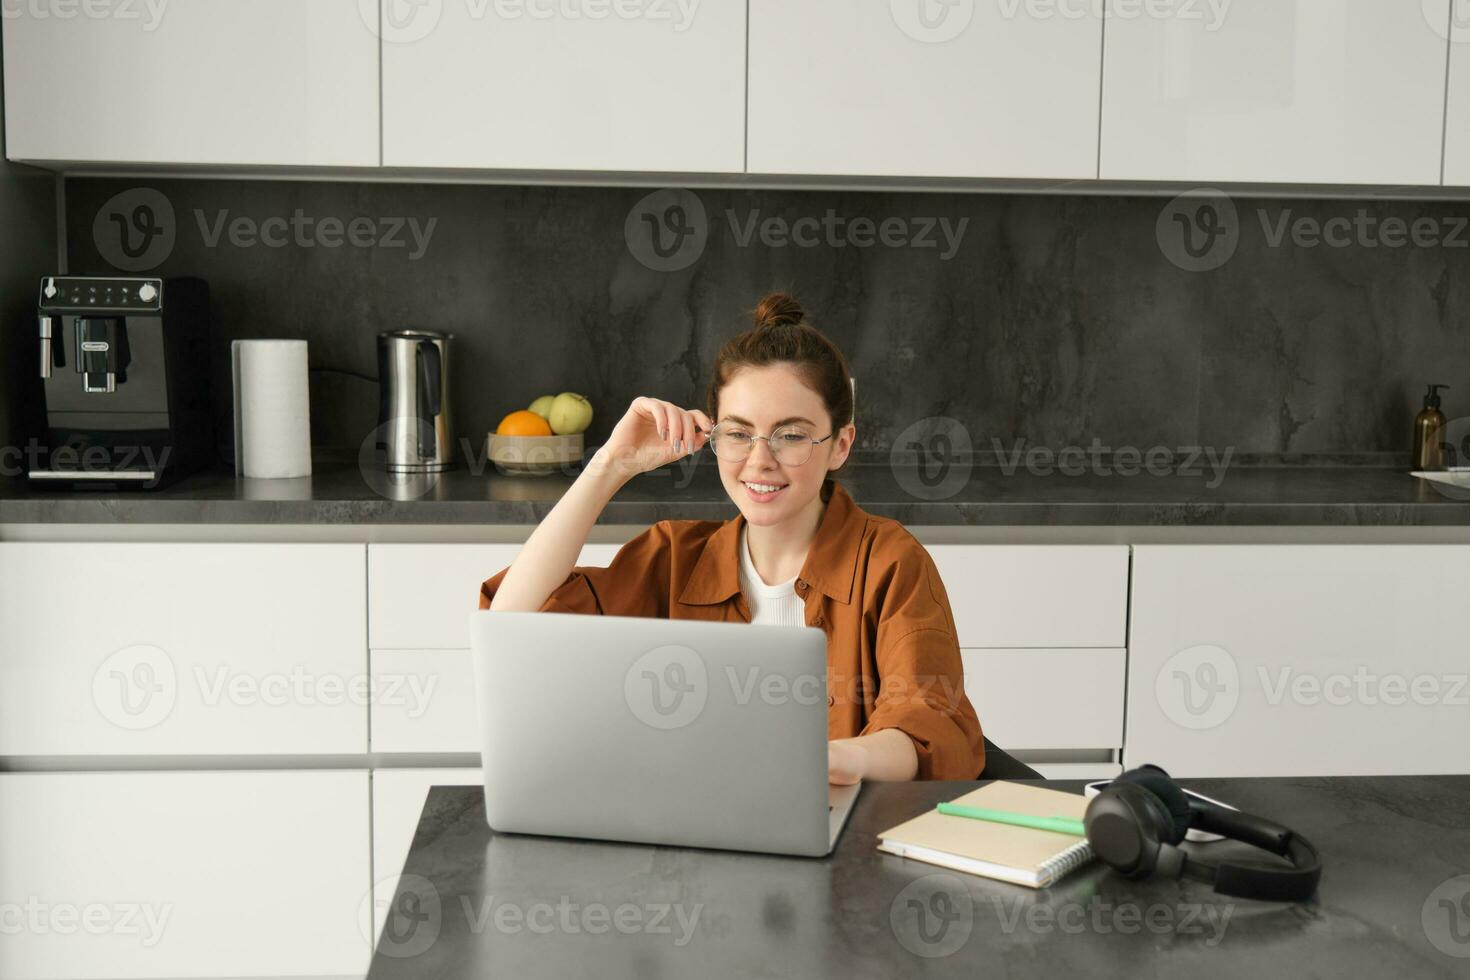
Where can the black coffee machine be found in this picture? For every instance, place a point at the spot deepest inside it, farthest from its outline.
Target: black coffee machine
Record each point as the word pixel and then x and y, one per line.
pixel 126 368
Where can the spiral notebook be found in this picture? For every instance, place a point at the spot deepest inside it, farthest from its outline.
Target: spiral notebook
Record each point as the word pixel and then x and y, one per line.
pixel 1035 858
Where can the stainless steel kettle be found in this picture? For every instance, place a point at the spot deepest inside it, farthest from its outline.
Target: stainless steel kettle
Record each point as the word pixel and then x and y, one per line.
pixel 414 430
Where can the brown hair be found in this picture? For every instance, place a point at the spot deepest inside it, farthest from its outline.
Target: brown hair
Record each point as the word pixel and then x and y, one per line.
pixel 782 335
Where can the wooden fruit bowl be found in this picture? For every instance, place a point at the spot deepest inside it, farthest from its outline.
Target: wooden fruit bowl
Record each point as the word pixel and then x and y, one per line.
pixel 533 455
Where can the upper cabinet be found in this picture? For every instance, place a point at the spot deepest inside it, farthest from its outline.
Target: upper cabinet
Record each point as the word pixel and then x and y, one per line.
pixel 924 88
pixel 1311 91
pixel 1457 92
pixel 635 85
pixel 250 82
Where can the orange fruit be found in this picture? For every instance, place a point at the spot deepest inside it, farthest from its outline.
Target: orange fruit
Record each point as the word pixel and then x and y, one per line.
pixel 523 423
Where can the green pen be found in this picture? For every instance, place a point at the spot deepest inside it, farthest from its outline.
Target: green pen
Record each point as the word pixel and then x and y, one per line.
pixel 1059 825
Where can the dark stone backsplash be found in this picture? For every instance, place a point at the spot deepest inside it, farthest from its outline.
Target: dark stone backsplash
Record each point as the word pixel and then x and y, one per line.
pixel 1057 319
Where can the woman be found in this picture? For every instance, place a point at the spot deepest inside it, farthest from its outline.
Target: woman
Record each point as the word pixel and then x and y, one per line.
pixel 800 553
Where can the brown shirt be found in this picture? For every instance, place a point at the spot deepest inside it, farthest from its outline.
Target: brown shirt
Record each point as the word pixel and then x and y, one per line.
pixel 893 660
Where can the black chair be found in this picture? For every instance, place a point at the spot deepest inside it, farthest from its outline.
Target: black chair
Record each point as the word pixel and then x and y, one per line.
pixel 1000 764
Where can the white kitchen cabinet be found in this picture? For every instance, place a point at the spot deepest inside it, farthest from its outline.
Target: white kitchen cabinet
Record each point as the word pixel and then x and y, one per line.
pixel 541 86
pixel 1089 771
pixel 419 601
pixel 184 874
pixel 1036 595
pixel 398 802
pixel 426 701
pixel 1457 92
pixel 269 82
pixel 182 649
pixel 1295 660
pixel 1311 91
pixel 923 89
pixel 1048 699
pixel 420 595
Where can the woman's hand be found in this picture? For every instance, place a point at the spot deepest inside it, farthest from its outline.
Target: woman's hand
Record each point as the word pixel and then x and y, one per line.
pixel 884 755
pixel 847 761
pixel 652 433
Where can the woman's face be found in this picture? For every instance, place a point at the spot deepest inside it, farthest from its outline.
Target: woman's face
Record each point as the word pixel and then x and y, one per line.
pixel 760 401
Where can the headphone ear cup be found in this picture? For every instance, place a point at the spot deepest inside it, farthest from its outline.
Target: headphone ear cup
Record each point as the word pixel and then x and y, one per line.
pixel 1125 823
pixel 1175 804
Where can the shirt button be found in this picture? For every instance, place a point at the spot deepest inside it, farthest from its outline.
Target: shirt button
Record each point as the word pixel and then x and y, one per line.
pixel 830 701
pixel 816 620
pixel 800 585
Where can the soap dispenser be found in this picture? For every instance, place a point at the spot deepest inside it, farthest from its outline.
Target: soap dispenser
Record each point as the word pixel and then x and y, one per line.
pixel 1429 433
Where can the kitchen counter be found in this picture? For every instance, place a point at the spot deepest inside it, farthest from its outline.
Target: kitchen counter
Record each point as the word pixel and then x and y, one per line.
pixel 340 493
pixel 473 903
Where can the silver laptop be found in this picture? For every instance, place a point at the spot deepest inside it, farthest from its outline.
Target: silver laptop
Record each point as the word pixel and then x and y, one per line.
pixel 657 731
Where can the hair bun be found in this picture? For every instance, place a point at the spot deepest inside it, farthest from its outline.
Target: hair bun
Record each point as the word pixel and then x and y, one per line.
pixel 778 310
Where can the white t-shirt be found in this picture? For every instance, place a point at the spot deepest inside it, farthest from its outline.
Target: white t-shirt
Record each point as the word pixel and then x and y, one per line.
pixel 774 605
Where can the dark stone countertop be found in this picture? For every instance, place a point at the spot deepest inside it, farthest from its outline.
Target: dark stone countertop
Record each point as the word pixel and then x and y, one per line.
pixel 1394 900
pixel 341 493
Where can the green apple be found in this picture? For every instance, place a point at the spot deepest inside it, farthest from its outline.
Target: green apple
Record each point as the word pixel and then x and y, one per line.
pixel 570 414
pixel 542 406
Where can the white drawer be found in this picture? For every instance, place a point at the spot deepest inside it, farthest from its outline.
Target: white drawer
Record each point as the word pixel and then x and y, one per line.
pixel 424 701
pixel 166 649
pixel 190 869
pixel 420 594
pixel 398 803
pixel 1048 699
pixel 1036 595
pixel 1090 771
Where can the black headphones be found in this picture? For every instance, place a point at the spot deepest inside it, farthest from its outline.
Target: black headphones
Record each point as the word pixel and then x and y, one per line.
pixel 1135 826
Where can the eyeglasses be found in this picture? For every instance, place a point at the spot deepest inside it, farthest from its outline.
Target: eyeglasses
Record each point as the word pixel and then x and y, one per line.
pixel 790 445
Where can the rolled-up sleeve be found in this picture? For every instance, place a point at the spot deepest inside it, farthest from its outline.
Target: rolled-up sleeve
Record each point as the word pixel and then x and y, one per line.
pixel 636 583
pixel 921 678
pixel 921 693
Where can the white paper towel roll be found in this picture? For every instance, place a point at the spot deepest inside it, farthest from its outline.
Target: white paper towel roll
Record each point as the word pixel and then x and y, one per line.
pixel 272 409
